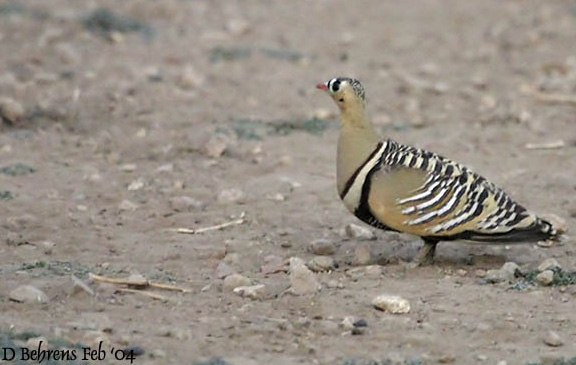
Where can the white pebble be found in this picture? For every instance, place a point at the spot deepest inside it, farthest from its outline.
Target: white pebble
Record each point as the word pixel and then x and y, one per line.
pixel 391 304
pixel 251 292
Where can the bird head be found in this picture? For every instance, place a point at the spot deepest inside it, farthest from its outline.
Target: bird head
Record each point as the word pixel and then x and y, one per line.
pixel 346 92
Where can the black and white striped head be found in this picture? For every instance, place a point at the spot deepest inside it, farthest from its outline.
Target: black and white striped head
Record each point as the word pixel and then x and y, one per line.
pixel 344 90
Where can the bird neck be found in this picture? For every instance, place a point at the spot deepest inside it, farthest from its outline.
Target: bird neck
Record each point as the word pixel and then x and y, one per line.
pixel 357 141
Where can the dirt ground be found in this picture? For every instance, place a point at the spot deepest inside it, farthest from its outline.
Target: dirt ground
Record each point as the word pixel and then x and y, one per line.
pixel 126 120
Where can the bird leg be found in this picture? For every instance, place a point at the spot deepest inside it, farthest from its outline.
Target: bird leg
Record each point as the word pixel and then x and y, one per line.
pixel 426 254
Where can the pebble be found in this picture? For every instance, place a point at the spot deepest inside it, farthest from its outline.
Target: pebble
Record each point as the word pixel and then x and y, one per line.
pixel 129 167
pixel 322 263
pixel 223 270
pixel 127 206
pixel 548 264
pixel 216 145
pixel 185 204
pixel 545 278
pixel 11 111
pixel 136 185
pixel 348 323
pixel 302 280
pixel 252 292
pixel 190 79
pixel 229 196
pixel 234 281
pixel 273 264
pixel 553 339
pixel 28 294
pixel 391 304
pixel 373 270
pixel 362 256
pixel 359 232
pixel 47 247
pixel 238 27
pixel 158 354
pixel 505 273
pixel 322 246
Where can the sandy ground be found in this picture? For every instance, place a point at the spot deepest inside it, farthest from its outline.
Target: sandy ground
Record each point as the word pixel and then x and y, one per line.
pixel 166 114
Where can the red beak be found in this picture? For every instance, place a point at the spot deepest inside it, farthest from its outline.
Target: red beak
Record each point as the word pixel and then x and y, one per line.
pixel 322 86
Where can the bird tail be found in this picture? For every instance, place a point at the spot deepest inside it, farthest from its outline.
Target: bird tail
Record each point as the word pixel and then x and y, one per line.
pixel 540 230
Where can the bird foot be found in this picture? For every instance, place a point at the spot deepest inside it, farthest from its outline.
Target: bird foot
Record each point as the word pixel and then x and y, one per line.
pixel 425 256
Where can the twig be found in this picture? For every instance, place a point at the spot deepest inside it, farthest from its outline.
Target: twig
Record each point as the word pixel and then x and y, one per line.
pixel 145 293
pixel 137 284
pixel 555 98
pixel 212 228
pixel 546 145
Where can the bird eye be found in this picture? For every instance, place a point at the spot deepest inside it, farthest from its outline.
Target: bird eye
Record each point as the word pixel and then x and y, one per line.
pixel 335 85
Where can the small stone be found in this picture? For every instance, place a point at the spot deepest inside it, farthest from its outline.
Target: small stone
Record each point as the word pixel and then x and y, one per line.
pixel 230 196
pixel 273 264
pixel 373 270
pixel 223 270
pixel 323 114
pixel 136 185
pixel 233 281
pixel 545 278
pixel 480 273
pixel 548 264
pixel 511 268
pixel 127 206
pixel 190 78
pixel 302 280
pixel 481 357
pixel 158 354
pixel 359 232
pixel 238 27
pixel 506 273
pixel 216 145
pixel 11 111
pixel 461 272
pixel 391 304
pixel 502 362
pixel 185 204
pixel 322 246
pixel 322 263
pixel 348 323
pixel 129 167
pixel 361 323
pixel 362 256
pixel 28 294
pixel 553 339
pixel 37 343
pixel 251 292
pixel 47 247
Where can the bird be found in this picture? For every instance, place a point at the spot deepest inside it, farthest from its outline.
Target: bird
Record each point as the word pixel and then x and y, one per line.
pixel 396 187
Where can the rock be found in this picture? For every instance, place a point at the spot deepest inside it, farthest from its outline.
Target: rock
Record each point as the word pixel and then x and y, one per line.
pixel 28 294
pixel 391 304
pixel 506 273
pixel 37 343
pixel 189 79
pixel 511 268
pixel 553 339
pixel 480 273
pixel 362 256
pixel 233 281
pixel 21 222
pixel 322 246
pixel 238 27
pixel 11 111
pixel 127 206
pixel 223 270
pixel 322 263
pixel 158 354
pixel 348 323
pixel 185 204
pixel 136 185
pixel 230 196
pixel 373 270
pixel 47 247
pixel 129 167
pixel 545 278
pixel 360 323
pixel 359 232
pixel 302 280
pixel 252 292
pixel 548 264
pixel 273 264
pixel 216 145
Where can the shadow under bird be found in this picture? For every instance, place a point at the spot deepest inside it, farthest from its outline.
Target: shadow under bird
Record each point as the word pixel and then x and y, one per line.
pixel 405 189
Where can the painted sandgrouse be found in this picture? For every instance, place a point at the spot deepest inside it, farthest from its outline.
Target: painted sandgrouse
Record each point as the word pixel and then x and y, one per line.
pixel 400 188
